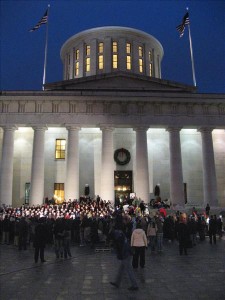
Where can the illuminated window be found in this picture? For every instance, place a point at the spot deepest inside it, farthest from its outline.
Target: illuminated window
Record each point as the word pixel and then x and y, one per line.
pixel 88 50
pixel 88 59
pixel 140 54
pixel 76 68
pixel 128 62
pixel 60 148
pixel 115 55
pixel 128 51
pixel 87 65
pixel 100 62
pixel 115 47
pixel 140 51
pixel 115 61
pixel 128 48
pixel 150 69
pixel 59 192
pixel 100 56
pixel 100 48
pixel 77 55
pixel 140 65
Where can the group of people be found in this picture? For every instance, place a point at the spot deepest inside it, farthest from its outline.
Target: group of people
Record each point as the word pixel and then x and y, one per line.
pixel 89 221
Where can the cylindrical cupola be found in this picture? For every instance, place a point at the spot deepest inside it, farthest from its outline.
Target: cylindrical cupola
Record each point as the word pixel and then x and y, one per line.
pixel 110 49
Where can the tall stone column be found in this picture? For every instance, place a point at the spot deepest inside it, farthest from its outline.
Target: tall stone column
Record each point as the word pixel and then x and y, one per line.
pixel 107 174
pixel 72 165
pixel 176 173
pixel 142 174
pixel 37 170
pixel 209 170
pixel 6 173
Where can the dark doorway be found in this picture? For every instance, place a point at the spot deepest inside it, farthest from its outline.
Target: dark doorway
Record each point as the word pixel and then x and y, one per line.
pixel 123 185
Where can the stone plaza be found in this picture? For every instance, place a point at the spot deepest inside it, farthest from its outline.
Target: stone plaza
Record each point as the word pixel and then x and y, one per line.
pixel 86 276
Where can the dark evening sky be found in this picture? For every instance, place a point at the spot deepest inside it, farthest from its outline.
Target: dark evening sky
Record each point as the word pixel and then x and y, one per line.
pixel 22 52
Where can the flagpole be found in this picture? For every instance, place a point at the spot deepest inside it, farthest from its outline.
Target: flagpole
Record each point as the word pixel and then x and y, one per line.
pixel 46 51
pixel 191 51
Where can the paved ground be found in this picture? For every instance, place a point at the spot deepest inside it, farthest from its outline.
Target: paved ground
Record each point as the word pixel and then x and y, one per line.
pixel 200 275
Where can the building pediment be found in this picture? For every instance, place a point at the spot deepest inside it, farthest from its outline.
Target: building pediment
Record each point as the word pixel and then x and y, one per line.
pixel 120 81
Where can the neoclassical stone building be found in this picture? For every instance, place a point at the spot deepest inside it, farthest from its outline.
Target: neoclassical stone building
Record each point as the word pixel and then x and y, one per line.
pixel 112 127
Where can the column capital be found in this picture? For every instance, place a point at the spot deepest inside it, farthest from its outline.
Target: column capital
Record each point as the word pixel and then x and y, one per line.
pixel 40 127
pixel 9 127
pixel 107 128
pixel 141 128
pixel 173 128
pixel 208 129
pixel 73 127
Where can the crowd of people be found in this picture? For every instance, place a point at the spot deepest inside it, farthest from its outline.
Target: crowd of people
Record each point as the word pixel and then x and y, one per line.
pixel 87 222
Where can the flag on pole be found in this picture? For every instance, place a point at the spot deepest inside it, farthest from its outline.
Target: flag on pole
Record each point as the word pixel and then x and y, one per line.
pixel 43 21
pixel 185 21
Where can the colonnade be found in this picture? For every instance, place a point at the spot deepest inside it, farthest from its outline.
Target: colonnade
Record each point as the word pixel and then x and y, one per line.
pixel 107 166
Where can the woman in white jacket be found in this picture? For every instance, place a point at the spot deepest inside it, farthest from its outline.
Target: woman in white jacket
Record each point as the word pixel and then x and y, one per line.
pixel 138 243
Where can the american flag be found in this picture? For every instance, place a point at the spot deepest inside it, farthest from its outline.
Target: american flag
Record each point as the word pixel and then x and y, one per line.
pixel 43 20
pixel 185 21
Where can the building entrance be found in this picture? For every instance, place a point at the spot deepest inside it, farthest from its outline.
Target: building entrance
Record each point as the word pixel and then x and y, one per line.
pixel 123 185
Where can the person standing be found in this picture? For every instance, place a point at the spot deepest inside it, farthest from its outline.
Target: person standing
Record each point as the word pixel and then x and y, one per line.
pixel 23 233
pixel 40 236
pixel 207 209
pixel 212 229
pixel 139 243
pixel 67 238
pixel 183 234
pixel 151 234
pixel 5 230
pixel 123 251
pixel 58 231
pixel 159 234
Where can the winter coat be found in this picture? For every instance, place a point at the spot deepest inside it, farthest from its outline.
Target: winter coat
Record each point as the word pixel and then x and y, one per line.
pixel 122 247
pixel 212 226
pixel 40 236
pixel 183 233
pixel 138 238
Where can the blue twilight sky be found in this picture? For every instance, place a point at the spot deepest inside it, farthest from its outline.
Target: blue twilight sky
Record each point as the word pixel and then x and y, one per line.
pixel 22 52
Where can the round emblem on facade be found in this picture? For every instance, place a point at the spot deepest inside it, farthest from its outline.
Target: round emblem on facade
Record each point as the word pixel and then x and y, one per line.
pixel 122 156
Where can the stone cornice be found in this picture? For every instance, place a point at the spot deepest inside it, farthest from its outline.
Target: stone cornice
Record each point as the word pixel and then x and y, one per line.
pixel 155 110
pixel 126 96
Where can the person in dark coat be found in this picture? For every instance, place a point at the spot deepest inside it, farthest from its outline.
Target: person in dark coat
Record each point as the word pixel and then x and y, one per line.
pixel 58 231
pixel 212 229
pixel 192 227
pixel 23 233
pixel 67 238
pixel 40 238
pixel 207 209
pixel 123 251
pixel 183 234
pixel 142 207
pixel 5 230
